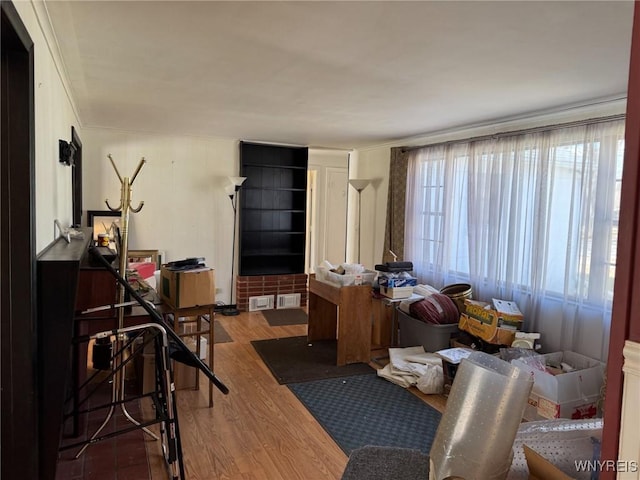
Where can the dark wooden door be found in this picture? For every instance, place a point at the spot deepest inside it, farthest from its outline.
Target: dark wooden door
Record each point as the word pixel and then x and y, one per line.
pixel 19 418
pixel 625 321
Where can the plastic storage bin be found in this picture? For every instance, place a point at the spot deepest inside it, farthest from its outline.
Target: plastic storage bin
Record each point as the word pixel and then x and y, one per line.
pixel 365 278
pixel 415 332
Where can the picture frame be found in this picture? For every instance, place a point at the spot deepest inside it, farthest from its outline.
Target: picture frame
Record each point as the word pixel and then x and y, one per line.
pixel 154 256
pixel 101 221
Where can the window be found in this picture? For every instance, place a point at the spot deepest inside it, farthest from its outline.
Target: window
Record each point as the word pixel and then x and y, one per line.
pixel 530 216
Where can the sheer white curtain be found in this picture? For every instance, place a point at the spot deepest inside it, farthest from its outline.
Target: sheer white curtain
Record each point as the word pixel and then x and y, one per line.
pixel 529 217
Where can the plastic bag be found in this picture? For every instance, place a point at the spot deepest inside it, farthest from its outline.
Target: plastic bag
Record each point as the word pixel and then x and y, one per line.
pixel 537 362
pixel 431 382
pixel 513 353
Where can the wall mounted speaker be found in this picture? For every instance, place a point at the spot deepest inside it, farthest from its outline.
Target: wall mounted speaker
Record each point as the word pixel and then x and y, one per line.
pixel 67 151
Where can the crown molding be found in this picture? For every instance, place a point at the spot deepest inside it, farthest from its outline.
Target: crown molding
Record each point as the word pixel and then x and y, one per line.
pixel 601 107
pixel 44 21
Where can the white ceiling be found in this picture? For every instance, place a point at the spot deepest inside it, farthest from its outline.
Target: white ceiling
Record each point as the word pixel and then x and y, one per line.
pixel 335 74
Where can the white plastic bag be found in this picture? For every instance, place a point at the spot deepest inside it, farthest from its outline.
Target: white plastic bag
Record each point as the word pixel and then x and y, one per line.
pixel 432 381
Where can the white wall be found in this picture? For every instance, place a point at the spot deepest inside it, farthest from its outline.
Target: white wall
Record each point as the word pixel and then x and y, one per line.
pixel 54 116
pixel 186 211
pixel 374 165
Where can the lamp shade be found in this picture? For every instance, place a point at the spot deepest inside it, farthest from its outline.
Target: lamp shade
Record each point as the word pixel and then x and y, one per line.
pixel 237 181
pixel 230 189
pixel 359 183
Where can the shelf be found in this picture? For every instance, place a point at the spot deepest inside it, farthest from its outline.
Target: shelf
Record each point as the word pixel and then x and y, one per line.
pixel 276 189
pixel 273 209
pixel 272 253
pixel 281 210
pixel 281 232
pixel 271 270
pixel 261 165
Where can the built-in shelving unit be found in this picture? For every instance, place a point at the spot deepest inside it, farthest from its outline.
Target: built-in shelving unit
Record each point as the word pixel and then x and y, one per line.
pixel 272 209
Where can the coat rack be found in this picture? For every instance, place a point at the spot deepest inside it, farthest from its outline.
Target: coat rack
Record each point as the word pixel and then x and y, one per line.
pixel 117 393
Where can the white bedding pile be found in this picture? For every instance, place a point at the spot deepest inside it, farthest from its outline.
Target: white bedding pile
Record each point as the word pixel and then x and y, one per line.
pixel 412 366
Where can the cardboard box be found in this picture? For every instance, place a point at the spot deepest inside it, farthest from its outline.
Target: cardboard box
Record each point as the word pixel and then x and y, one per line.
pixel 396 292
pixel 187 288
pixel 148 373
pixel 540 468
pixel 565 395
pixel 184 376
pixel 385 281
pixel 489 324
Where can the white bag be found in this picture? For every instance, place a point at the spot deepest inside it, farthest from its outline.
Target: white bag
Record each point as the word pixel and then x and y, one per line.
pixel 432 381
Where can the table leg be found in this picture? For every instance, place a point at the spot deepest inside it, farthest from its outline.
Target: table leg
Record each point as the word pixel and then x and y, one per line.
pixel 210 345
pixel 354 329
pixel 198 329
pixel 323 319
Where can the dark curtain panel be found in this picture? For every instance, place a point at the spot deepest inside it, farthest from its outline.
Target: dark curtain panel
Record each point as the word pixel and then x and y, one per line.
pixel 394 230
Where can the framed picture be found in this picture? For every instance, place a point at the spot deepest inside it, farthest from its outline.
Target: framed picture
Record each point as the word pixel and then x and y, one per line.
pixel 103 221
pixel 145 256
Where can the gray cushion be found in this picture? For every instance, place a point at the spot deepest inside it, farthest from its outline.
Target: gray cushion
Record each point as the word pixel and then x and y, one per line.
pixel 386 463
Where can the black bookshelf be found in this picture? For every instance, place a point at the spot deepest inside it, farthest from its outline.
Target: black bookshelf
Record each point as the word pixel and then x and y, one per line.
pixel 273 209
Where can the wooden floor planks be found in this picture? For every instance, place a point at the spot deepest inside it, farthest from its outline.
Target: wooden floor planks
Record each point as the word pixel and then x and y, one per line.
pixel 259 430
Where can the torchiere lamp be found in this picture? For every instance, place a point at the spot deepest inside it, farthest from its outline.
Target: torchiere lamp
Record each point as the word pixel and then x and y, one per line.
pixel 359 184
pixel 232 190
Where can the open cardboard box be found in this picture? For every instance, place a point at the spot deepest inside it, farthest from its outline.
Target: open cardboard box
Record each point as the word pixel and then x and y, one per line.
pixel 489 324
pixel 567 395
pixel 540 468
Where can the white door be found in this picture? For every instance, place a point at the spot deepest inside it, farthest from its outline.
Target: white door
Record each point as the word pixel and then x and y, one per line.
pixel 335 227
pixel 328 182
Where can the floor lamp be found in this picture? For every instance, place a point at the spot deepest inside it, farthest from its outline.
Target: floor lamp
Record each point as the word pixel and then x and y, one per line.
pixel 232 190
pixel 359 184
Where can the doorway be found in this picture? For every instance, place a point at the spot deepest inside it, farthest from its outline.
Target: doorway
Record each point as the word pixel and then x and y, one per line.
pixel 17 251
pixel 327 185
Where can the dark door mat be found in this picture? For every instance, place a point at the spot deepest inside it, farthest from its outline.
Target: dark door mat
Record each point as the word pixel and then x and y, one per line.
pixel 294 359
pixel 368 410
pixel 286 316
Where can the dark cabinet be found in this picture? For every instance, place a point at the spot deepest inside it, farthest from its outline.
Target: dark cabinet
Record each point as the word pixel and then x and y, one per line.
pixel 273 205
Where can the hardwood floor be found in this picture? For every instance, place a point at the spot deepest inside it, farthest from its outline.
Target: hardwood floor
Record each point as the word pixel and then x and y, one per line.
pixel 259 430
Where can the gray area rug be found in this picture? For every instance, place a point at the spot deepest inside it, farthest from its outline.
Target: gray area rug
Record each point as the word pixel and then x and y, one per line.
pixel 384 463
pixel 368 410
pixel 286 316
pixel 220 335
pixel 294 359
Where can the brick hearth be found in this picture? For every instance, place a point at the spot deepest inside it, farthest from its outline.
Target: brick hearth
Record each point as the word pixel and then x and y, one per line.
pixel 252 286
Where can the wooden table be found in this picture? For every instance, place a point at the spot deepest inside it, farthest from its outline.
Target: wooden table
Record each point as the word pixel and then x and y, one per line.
pixel 106 320
pixel 203 312
pixel 342 313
